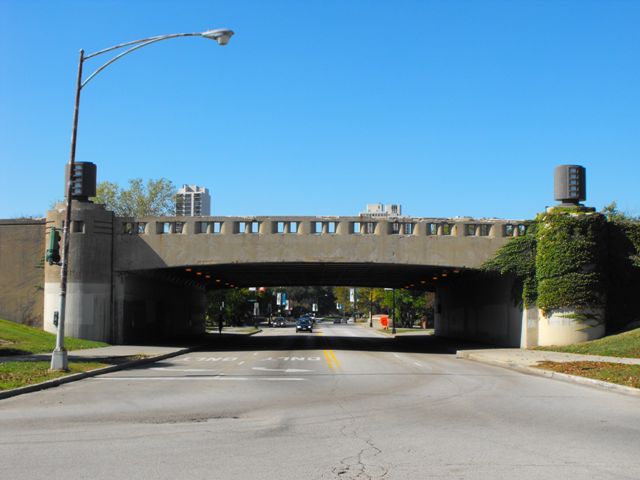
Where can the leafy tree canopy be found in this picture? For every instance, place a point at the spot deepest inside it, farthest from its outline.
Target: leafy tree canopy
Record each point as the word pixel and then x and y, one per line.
pixel 155 198
pixel 614 214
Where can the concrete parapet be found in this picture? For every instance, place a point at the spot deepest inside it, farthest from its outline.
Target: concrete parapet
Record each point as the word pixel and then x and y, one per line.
pixel 223 240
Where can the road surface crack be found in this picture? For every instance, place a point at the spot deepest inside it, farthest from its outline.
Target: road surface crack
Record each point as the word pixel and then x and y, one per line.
pixel 359 466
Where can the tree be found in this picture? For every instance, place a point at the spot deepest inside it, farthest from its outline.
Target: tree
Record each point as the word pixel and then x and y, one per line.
pixel 614 214
pixel 232 304
pixel 155 198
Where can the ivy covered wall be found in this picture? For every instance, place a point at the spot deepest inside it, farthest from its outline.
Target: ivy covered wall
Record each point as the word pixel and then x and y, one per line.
pixel 571 260
pixel 575 258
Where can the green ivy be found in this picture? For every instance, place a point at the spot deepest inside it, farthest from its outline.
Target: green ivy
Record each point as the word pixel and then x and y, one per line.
pixel 574 257
pixel 571 259
pixel 518 258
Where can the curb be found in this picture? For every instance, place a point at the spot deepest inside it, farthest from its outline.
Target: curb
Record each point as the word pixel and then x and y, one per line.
pixel 590 382
pixel 91 373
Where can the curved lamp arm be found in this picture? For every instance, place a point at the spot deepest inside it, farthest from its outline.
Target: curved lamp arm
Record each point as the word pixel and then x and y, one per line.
pixel 221 36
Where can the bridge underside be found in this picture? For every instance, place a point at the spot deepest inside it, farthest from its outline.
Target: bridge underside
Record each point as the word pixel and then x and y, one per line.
pixel 309 274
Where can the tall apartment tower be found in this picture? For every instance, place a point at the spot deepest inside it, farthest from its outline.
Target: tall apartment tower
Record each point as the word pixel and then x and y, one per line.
pixel 193 201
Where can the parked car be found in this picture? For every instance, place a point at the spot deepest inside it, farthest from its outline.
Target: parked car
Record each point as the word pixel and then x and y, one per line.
pixel 279 322
pixel 304 323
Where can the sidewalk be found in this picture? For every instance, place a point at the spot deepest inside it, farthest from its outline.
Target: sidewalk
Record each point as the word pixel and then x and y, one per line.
pixel 111 352
pixel 119 355
pixel 525 361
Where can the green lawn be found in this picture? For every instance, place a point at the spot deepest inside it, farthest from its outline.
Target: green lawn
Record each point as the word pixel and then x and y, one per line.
pixel 20 374
pixel 418 331
pixel 16 339
pixel 625 344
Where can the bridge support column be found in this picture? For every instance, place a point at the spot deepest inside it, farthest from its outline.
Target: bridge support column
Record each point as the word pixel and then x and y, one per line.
pixel 148 307
pixel 480 309
pixel 89 282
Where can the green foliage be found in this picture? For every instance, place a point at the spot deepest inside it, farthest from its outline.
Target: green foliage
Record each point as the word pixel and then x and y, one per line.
pixel 155 198
pixel 613 214
pixel 230 305
pixel 235 306
pixel 576 258
pixel 625 344
pixel 17 339
pixel 20 374
pixel 518 258
pixel 571 259
pixel 411 305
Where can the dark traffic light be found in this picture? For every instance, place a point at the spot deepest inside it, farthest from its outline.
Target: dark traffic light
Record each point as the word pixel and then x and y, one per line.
pixel 52 255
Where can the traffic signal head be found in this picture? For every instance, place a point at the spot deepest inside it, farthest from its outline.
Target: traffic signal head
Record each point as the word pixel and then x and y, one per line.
pixel 52 255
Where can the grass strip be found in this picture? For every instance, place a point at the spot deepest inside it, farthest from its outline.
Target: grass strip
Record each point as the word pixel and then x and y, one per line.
pixel 423 331
pixel 17 339
pixel 21 374
pixel 625 344
pixel 620 373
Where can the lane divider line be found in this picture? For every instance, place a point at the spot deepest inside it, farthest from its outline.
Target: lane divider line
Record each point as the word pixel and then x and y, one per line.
pixel 333 356
pixel 328 357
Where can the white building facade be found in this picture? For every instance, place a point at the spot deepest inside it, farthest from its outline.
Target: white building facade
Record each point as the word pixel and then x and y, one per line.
pixel 193 201
pixel 377 210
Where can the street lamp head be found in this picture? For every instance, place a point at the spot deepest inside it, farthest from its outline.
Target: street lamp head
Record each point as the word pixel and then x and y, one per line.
pixel 220 35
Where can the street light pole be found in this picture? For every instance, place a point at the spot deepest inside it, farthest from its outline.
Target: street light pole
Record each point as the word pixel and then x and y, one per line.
pixel 59 360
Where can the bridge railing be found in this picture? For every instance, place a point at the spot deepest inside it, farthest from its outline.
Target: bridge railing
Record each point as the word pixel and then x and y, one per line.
pixel 318 226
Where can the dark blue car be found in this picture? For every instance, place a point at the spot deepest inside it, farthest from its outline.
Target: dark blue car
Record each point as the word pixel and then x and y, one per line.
pixel 304 323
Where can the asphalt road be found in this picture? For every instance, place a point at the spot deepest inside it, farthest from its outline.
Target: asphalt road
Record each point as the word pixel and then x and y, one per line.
pixel 341 403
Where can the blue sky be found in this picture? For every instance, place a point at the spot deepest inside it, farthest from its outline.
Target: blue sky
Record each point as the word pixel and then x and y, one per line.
pixel 320 107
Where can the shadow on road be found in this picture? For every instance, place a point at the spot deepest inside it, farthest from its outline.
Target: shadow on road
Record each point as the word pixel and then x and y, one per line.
pixel 293 341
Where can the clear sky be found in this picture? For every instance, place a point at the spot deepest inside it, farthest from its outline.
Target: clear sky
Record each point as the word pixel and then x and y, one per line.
pixel 318 107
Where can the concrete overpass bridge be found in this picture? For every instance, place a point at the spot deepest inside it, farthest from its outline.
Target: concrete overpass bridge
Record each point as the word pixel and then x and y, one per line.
pixel 128 274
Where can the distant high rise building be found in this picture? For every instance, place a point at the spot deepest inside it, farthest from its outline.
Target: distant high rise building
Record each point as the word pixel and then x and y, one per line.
pixel 193 201
pixel 380 210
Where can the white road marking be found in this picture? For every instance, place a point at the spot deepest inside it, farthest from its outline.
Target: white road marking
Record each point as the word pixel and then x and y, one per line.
pixel 241 363
pixel 286 370
pixel 396 355
pixel 417 364
pixel 183 369
pixel 217 359
pixel 201 378
pixel 291 359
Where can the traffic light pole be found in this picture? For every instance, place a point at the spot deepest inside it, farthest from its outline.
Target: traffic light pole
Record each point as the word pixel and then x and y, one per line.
pixel 59 360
